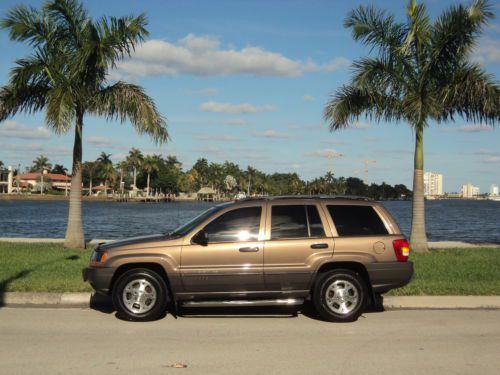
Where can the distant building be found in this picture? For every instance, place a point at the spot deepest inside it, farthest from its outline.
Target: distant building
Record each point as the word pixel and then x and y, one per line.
pixel 470 191
pixel 57 181
pixel 6 178
pixel 433 184
pixel 494 190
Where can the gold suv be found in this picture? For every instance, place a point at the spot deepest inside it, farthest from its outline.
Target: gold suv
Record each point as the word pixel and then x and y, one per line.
pixel 340 252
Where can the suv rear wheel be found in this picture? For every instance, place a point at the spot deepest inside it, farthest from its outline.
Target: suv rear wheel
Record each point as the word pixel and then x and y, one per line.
pixel 140 294
pixel 340 296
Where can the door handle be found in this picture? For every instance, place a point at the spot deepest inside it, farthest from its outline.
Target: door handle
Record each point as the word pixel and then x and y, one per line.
pixel 319 246
pixel 249 249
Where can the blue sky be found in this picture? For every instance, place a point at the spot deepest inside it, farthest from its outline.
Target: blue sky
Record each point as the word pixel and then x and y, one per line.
pixel 247 81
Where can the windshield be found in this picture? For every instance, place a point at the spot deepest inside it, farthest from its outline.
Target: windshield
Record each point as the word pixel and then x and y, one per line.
pixel 187 227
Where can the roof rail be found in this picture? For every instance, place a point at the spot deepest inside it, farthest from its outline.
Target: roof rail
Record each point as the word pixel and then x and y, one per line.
pixel 279 197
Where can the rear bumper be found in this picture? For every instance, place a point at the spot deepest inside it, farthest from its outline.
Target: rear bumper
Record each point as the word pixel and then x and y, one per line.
pixel 389 275
pixel 99 278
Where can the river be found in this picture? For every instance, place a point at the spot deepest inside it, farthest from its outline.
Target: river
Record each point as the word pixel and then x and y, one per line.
pixel 447 220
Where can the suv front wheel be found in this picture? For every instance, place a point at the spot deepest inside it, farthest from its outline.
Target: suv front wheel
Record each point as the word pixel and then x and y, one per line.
pixel 340 296
pixel 140 294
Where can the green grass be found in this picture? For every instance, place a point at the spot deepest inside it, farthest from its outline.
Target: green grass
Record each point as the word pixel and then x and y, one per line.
pixel 50 268
pixel 27 267
pixel 455 272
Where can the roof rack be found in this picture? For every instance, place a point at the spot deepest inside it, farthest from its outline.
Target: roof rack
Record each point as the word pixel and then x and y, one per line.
pixel 280 197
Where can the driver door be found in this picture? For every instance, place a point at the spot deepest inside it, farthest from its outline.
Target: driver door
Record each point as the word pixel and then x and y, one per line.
pixel 231 261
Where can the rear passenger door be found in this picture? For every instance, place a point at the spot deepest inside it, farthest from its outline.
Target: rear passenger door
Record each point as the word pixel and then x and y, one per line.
pixel 296 238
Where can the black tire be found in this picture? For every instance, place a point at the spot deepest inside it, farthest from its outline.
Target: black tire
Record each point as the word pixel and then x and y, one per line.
pixel 141 311
pixel 350 283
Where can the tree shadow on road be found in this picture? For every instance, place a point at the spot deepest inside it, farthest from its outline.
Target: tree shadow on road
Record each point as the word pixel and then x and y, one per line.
pixel 4 284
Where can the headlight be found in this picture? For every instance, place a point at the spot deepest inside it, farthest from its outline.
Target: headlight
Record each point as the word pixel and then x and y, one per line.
pixel 98 258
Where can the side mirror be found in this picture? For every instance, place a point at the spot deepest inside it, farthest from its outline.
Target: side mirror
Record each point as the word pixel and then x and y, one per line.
pixel 200 238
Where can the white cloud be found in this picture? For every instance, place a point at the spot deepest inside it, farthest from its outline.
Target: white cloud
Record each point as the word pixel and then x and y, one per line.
pixel 308 98
pixel 488 51
pixel 215 137
pixel 15 129
pixel 271 134
pixel 212 150
pixel 205 91
pixel 326 153
pixel 360 125
pixel 101 142
pixel 235 121
pixel 205 56
pixel 235 108
pixel 475 128
pixel 307 126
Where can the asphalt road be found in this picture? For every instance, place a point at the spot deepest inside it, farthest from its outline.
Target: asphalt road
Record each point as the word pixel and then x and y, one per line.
pixel 61 341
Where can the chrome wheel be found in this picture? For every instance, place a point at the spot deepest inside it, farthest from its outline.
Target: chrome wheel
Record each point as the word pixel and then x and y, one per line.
pixel 342 297
pixel 139 296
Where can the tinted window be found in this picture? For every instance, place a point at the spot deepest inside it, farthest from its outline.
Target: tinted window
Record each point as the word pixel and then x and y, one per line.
pixel 356 220
pixel 292 222
pixel 315 224
pixel 237 225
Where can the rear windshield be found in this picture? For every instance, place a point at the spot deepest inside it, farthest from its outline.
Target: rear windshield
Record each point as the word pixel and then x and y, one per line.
pixel 356 220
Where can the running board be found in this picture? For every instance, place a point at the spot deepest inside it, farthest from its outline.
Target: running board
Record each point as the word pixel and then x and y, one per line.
pixel 264 302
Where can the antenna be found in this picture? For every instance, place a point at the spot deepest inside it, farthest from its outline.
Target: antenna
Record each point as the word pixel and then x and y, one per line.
pixel 330 155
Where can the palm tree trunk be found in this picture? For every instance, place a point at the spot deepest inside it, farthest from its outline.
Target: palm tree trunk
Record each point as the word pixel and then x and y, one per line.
pixel 135 178
pixel 74 231
pixel 90 186
pixel 418 237
pixel 147 189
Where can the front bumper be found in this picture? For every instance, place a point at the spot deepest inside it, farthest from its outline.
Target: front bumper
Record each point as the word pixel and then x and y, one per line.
pixel 389 275
pixel 99 278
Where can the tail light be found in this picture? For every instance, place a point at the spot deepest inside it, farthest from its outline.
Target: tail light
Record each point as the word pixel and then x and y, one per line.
pixel 401 250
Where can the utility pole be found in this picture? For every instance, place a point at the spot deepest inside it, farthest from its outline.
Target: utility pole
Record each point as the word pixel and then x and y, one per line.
pixel 367 162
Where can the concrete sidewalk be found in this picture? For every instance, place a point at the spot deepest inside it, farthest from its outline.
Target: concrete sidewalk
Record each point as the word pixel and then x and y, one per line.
pixel 85 300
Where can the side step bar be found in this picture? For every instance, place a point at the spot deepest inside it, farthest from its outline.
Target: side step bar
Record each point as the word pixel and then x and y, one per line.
pixel 263 302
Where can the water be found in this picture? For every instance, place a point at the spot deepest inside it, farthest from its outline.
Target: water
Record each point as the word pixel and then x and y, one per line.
pixel 447 220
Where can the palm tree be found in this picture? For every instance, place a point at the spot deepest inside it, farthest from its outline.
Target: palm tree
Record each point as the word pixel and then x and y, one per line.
pixel 422 72
pixel 59 169
pixel 66 75
pixel 104 158
pixel 108 174
pixel 1 164
pixel 134 160
pixel 150 165
pixel 122 166
pixel 91 168
pixel 40 164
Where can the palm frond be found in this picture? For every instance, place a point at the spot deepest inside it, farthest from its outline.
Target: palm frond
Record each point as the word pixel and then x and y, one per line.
pixel 472 94
pixel 61 111
pixel 124 101
pixel 380 74
pixel 419 30
pixel 456 32
pixel 27 24
pixel 349 103
pixel 373 27
pixel 28 99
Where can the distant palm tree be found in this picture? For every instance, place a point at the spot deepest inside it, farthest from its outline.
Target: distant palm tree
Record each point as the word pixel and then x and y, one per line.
pixel 66 76
pixel 422 72
pixel 104 158
pixel 40 164
pixel 134 160
pixel 91 168
pixel 122 166
pixel 59 169
pixel 150 165
pixel 108 174
pixel 1 164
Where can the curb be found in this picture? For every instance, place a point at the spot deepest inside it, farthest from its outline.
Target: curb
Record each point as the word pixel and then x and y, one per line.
pixel 87 300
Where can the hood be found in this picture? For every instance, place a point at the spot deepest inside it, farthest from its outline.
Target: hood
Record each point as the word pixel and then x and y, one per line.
pixel 133 240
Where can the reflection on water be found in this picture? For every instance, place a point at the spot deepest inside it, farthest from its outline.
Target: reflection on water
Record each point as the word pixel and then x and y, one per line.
pixel 447 220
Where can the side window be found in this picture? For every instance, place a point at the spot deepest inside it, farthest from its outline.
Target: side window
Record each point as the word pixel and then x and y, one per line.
pixel 356 220
pixel 241 224
pixel 295 221
pixel 315 224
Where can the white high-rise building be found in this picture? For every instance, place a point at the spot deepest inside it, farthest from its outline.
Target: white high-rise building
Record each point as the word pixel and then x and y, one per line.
pixel 494 190
pixel 433 184
pixel 469 191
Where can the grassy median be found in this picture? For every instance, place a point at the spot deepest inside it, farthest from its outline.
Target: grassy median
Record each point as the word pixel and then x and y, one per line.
pixel 26 267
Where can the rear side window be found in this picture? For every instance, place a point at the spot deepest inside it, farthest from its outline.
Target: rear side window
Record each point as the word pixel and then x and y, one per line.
pixel 241 224
pixel 295 221
pixel 356 221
